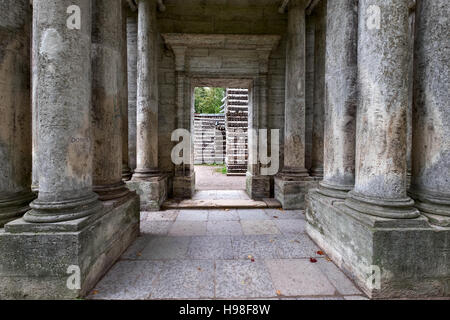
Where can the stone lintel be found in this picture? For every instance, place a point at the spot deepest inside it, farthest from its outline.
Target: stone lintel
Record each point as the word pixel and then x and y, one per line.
pixel 408 252
pixel 152 191
pixel 38 261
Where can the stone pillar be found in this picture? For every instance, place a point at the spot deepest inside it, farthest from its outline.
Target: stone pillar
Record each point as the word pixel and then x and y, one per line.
pixel 319 90
pixel 341 99
pixel 123 91
pixel 15 110
pixel 380 184
pixel 309 89
pixel 64 137
pixel 106 106
pixel 147 93
pixel 132 87
pixel 148 181
pixel 431 114
pixel 184 179
pixel 290 186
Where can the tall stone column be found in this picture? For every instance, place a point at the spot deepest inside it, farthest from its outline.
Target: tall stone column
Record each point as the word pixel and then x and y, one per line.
pixel 148 181
pixel 431 114
pixel 380 184
pixel 147 92
pixel 290 187
pixel 132 87
pixel 123 91
pixel 64 99
pixel 341 98
pixel 319 90
pixel 15 110
pixel 106 106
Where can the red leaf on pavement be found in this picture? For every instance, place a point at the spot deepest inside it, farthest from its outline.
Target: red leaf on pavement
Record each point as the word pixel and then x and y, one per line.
pixel 312 260
pixel 320 253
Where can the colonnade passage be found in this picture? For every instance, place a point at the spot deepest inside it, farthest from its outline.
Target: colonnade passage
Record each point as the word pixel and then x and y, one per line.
pixel 96 100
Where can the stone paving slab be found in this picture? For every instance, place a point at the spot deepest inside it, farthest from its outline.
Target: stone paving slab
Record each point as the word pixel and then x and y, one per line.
pixel 243 279
pixel 185 279
pixel 337 278
pixel 250 227
pixel 192 215
pixel 168 215
pixel 210 247
pixel 291 226
pixel 155 227
pixel 252 214
pixel 166 248
pixel 223 215
pixel 188 228
pixel 223 228
pixel 128 280
pixel 297 277
pixel 281 214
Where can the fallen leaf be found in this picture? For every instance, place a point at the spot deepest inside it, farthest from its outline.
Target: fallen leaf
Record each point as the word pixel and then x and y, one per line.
pixel 312 260
pixel 250 256
pixel 199 269
pixel 227 209
pixel 278 293
pixel 328 259
pixel 139 254
pixel 95 292
pixel 320 253
pixel 252 260
pixel 276 217
pixel 271 240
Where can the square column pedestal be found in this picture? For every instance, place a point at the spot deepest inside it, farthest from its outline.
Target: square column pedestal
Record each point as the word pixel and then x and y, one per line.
pixel 152 191
pixel 257 187
pixel 65 260
pixel 291 191
pixel 184 186
pixel 387 258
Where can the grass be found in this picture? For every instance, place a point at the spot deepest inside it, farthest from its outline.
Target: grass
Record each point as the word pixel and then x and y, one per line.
pixel 222 170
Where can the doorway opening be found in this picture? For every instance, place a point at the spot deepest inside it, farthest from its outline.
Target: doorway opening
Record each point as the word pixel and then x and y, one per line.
pixel 220 142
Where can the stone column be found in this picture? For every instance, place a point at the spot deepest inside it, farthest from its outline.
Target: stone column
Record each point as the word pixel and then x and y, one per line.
pixel 290 184
pixel 123 91
pixel 64 99
pixel 319 90
pixel 15 110
pixel 147 93
pixel 341 98
pixel 309 88
pixel 431 114
pixel 380 184
pixel 106 106
pixel 132 87
pixel 294 127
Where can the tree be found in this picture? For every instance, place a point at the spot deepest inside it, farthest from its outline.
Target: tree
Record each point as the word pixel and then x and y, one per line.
pixel 208 100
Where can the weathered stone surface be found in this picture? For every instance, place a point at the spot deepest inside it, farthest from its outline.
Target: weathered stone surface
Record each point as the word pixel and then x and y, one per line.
pixel 340 107
pixel 65 146
pixel 380 184
pixel 37 263
pixel 408 252
pixel 107 96
pixel 153 191
pixel 319 89
pixel 291 192
pixel 15 110
pixel 431 117
pixel 132 86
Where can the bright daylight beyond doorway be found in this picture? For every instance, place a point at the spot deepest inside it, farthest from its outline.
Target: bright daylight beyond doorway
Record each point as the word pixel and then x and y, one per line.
pixel 220 142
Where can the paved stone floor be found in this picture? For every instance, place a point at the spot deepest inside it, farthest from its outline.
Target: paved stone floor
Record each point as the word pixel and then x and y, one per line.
pixel 207 178
pixel 224 254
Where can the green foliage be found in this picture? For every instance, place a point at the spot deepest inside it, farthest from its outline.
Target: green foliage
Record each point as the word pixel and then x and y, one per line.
pixel 208 100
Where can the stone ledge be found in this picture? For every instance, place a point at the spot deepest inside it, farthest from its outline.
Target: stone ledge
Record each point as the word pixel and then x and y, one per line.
pixel 409 252
pixel 291 193
pixel 34 265
pixel 257 187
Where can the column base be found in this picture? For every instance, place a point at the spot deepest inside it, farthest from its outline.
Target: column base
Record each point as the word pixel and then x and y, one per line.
pixel 126 174
pixel 384 208
pixel 316 173
pixel 43 261
pixel 112 191
pixel 257 187
pixel 152 191
pixel 184 186
pixel 432 203
pixel 59 211
pixel 333 191
pixel 14 206
pixel 290 190
pixel 404 256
